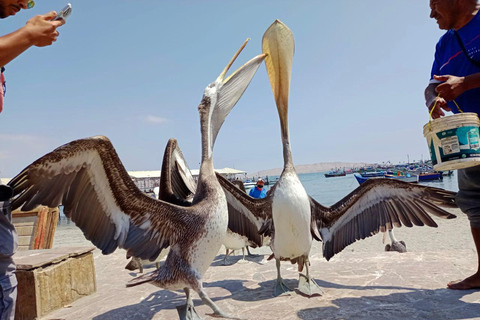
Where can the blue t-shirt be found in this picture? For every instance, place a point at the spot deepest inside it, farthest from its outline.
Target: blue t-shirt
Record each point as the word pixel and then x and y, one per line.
pixel 257 193
pixel 450 60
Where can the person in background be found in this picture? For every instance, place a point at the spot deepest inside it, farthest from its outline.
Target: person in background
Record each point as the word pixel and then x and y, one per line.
pixel 39 31
pixel 258 191
pixel 455 77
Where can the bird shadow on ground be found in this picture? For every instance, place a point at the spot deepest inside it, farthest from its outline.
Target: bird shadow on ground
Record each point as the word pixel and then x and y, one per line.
pixel 439 304
pixel 264 290
pixel 167 300
pixel 231 260
pixel 148 307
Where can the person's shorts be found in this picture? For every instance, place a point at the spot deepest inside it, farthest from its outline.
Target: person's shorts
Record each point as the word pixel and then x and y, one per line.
pixel 468 196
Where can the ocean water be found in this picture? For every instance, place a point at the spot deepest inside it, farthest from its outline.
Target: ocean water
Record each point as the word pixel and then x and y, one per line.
pixel 328 191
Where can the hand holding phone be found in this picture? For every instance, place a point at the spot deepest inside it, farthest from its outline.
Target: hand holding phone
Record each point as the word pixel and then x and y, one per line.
pixel 64 13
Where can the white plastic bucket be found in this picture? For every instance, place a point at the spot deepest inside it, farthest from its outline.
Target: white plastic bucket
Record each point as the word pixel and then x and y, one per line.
pixel 454 141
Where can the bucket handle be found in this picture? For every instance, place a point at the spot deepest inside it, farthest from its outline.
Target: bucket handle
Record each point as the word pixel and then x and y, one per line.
pixel 433 108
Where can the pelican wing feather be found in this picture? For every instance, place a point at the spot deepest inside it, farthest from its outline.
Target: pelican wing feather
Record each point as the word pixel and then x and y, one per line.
pixel 247 216
pixel 176 181
pixel 378 205
pixel 88 178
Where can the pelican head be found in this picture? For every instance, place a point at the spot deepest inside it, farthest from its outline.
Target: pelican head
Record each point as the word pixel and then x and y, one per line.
pixel 221 96
pixel 278 43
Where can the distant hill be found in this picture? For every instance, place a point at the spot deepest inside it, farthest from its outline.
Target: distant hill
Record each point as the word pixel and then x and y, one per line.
pixel 315 167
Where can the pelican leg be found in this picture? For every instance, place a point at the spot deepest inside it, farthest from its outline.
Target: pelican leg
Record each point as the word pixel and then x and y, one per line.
pixel 251 255
pixel 306 285
pixel 217 312
pixel 187 311
pixel 226 256
pixel 280 287
pixel 243 257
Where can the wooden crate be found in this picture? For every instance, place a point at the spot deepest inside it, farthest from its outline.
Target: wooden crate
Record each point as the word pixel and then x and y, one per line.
pixel 36 228
pixel 50 279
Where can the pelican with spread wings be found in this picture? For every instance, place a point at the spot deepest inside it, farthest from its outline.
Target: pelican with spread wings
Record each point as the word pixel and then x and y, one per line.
pixel 88 178
pixel 293 219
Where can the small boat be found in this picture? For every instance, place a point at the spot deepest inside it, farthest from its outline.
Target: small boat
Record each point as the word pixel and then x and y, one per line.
pixel 336 173
pixel 406 178
pixel 373 174
pixel 425 176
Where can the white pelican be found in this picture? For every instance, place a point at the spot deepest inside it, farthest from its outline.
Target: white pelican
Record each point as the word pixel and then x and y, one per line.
pixel 293 219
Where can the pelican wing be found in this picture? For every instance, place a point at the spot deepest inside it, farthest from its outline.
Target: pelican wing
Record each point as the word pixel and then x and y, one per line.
pixel 378 205
pixel 88 178
pixel 176 181
pixel 247 216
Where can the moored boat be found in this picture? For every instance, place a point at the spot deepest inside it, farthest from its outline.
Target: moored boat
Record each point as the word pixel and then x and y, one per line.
pixel 425 176
pixel 373 174
pixel 335 174
pixel 406 178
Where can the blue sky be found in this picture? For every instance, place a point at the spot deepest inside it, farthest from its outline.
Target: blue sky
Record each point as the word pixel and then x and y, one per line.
pixel 135 71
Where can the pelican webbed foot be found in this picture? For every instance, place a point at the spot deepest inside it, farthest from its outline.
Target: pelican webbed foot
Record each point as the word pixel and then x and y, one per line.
pixel 217 312
pixel 280 288
pixel 251 255
pixel 308 287
pixel 187 311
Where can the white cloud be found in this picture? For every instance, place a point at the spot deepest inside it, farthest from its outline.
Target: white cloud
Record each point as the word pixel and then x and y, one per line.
pixel 155 119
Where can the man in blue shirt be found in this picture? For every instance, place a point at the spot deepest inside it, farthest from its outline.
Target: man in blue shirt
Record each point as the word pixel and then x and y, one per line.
pixel 456 77
pixel 258 191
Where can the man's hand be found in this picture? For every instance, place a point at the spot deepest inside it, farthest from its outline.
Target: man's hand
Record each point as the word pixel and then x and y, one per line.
pixel 451 87
pixel 439 105
pixel 432 99
pixel 42 30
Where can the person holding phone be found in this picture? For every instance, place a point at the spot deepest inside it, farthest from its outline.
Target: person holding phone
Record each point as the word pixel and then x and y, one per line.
pixel 39 31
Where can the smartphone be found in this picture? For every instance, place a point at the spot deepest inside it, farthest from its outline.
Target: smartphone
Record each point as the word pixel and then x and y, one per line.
pixel 64 13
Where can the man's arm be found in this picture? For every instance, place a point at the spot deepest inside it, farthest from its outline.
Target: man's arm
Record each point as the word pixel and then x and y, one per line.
pixel 453 86
pixel 39 31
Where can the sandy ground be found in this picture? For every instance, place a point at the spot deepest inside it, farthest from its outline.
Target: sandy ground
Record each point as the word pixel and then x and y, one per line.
pixel 362 282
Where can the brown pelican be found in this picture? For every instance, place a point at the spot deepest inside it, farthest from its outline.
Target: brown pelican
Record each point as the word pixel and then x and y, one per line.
pixel 178 186
pixel 88 178
pixel 293 219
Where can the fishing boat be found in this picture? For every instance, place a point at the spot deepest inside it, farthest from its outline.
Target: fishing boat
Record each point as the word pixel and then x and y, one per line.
pixel 373 174
pixel 406 178
pixel 336 173
pixel 433 175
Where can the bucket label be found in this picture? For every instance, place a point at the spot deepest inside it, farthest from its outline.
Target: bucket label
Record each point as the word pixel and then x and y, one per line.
pixel 450 145
pixel 459 143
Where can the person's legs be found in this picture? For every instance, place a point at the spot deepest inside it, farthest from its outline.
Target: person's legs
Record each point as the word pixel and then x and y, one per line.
pixel 472 282
pixel 468 200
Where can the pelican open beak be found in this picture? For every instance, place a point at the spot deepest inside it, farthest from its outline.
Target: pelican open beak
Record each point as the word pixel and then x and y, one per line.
pixel 232 89
pixel 279 44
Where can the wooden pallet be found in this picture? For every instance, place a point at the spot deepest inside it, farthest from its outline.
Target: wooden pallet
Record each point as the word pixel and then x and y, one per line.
pixel 36 228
